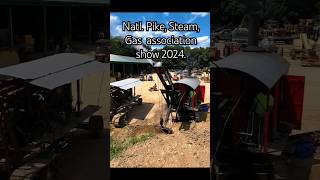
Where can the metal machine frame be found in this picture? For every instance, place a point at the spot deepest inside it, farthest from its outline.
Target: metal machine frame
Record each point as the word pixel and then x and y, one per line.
pixel 175 98
pixel 123 99
pixel 33 120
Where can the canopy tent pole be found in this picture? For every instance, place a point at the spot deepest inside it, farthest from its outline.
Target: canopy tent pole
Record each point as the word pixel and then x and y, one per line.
pixel 266 125
pixel 89 26
pixel 10 26
pixel 70 24
pixel 134 91
pixel 124 70
pixel 45 40
pixel 78 97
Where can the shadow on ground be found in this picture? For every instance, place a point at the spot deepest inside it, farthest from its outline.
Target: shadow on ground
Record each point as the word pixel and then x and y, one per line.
pixel 140 111
pixel 85 158
pixel 301 159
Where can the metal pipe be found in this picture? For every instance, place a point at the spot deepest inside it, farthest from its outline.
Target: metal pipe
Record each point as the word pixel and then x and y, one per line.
pixel 70 23
pixel 45 41
pixel 78 97
pixel 124 70
pixel 266 126
pixel 134 91
pixel 226 122
pixel 253 30
pixel 10 27
pixel 90 26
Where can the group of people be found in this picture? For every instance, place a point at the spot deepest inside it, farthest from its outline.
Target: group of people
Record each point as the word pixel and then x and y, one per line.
pixel 144 76
pixel 230 49
pixel 117 76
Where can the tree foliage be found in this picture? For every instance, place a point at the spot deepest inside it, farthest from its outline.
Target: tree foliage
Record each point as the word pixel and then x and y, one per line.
pixel 284 11
pixel 196 57
pixel 119 48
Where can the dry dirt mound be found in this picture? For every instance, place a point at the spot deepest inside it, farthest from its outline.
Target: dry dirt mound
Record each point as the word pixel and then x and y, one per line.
pixel 184 148
pixel 188 146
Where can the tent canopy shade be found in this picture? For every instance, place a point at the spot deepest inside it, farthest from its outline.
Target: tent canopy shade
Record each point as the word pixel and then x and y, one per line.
pixel 58 79
pixel 56 70
pixel 128 59
pixel 126 83
pixel 191 82
pixel 44 66
pixel 265 67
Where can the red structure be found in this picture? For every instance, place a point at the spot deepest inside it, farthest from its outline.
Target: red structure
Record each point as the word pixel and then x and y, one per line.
pixel 238 79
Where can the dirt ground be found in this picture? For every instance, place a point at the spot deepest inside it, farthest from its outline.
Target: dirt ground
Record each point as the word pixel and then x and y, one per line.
pixel 307 168
pixel 311 103
pixel 188 146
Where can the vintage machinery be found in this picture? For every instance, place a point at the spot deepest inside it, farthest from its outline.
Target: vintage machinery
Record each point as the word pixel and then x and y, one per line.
pixel 242 141
pixel 244 136
pixel 182 102
pixel 36 112
pixel 28 114
pixel 123 99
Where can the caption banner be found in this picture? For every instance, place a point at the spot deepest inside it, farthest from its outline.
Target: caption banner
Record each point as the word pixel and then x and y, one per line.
pixel 161 40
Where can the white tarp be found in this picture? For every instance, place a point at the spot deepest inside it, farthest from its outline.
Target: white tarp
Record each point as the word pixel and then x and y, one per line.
pixel 126 83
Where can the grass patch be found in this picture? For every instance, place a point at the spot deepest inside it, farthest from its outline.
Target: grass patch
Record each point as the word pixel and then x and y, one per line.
pixel 116 147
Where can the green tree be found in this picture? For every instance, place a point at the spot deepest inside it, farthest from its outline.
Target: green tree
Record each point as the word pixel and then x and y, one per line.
pixel 120 48
pixel 233 11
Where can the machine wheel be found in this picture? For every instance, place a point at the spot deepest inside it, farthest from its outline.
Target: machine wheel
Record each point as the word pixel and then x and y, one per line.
pixel 96 126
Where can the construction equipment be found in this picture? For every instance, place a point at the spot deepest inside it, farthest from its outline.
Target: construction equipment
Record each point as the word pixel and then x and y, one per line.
pixel 182 102
pixel 123 99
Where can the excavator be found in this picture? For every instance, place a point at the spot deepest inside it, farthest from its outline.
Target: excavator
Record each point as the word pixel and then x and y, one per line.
pixel 183 98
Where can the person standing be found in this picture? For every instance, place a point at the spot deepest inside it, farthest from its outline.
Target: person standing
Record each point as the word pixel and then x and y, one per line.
pixel 263 103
